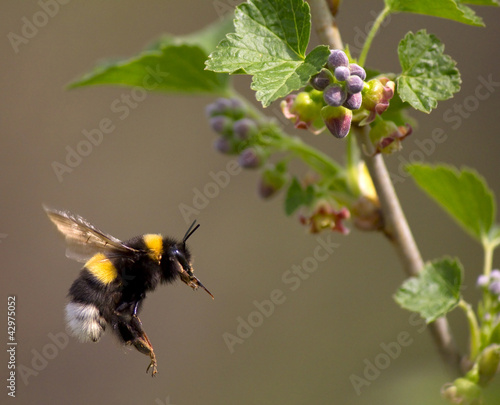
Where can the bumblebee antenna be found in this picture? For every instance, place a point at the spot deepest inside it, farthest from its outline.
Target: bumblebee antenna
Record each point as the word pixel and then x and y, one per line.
pixel 189 232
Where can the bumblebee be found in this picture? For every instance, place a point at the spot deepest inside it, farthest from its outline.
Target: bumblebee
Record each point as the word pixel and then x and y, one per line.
pixel 116 277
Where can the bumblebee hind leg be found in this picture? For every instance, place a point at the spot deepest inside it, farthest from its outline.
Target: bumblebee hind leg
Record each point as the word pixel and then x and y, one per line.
pixel 142 343
pixel 131 332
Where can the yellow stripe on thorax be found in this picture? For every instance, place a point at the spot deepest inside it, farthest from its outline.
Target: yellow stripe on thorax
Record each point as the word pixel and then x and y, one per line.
pixel 101 268
pixel 154 243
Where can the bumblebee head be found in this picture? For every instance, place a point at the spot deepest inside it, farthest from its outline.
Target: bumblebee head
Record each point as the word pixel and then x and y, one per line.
pixel 179 254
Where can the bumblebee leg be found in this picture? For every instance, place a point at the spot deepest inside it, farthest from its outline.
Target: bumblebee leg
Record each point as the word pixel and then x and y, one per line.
pixel 142 343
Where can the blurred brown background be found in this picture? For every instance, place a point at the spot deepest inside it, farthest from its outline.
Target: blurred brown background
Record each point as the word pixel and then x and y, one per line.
pixel 133 182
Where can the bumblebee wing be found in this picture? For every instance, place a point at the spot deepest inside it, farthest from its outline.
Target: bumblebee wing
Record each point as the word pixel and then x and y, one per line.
pixel 83 239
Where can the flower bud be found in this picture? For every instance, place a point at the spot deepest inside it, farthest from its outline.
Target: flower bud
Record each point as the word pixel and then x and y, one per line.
pixel 354 84
pixel 335 95
pixel 483 281
pixel 250 158
pixel 337 120
pixel 488 364
pixel 353 101
pixel 219 107
pixel 337 58
pixel 386 136
pixel 357 70
pixel 304 110
pixel 272 180
pixel 245 128
pixel 222 125
pixel 342 73
pixel 320 81
pixel 223 145
pixel 467 392
pixel 376 95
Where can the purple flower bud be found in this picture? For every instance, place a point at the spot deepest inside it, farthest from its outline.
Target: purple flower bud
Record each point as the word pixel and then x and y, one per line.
pixel 223 145
pixel 221 124
pixel 354 84
pixel 320 81
pixel 334 95
pixel 337 120
pixel 482 281
pixel 218 107
pixel 337 58
pixel 341 73
pixel 244 129
pixel 353 101
pixel 357 70
pixel 495 287
pixel 249 159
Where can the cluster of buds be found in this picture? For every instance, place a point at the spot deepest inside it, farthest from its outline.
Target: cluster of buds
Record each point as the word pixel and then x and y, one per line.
pixel 337 96
pixel 240 134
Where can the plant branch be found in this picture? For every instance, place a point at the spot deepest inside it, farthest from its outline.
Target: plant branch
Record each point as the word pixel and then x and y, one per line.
pixel 397 230
pixel 325 24
pixel 396 227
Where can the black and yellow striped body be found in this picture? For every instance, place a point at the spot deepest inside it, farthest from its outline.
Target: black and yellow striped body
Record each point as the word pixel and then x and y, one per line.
pixel 111 287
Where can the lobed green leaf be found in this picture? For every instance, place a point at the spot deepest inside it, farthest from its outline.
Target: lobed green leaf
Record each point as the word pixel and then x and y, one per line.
pixel 270 43
pixel 436 290
pixel 463 194
pixel 428 75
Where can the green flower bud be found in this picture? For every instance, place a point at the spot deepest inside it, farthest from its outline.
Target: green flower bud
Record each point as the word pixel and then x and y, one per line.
pixel 304 110
pixel 272 180
pixel 468 392
pixel 488 364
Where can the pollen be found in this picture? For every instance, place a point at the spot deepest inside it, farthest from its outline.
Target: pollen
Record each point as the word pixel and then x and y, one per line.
pixel 154 243
pixel 102 268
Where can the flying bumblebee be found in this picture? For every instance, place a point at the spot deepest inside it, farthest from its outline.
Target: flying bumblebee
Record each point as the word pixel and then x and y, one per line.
pixel 116 277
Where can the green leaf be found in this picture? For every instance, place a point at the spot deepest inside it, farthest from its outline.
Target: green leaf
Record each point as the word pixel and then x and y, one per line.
pixel 463 194
pixel 296 196
pixel 436 290
pixel 270 43
pixel 173 68
pixel 450 9
pixel 177 63
pixel 428 75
